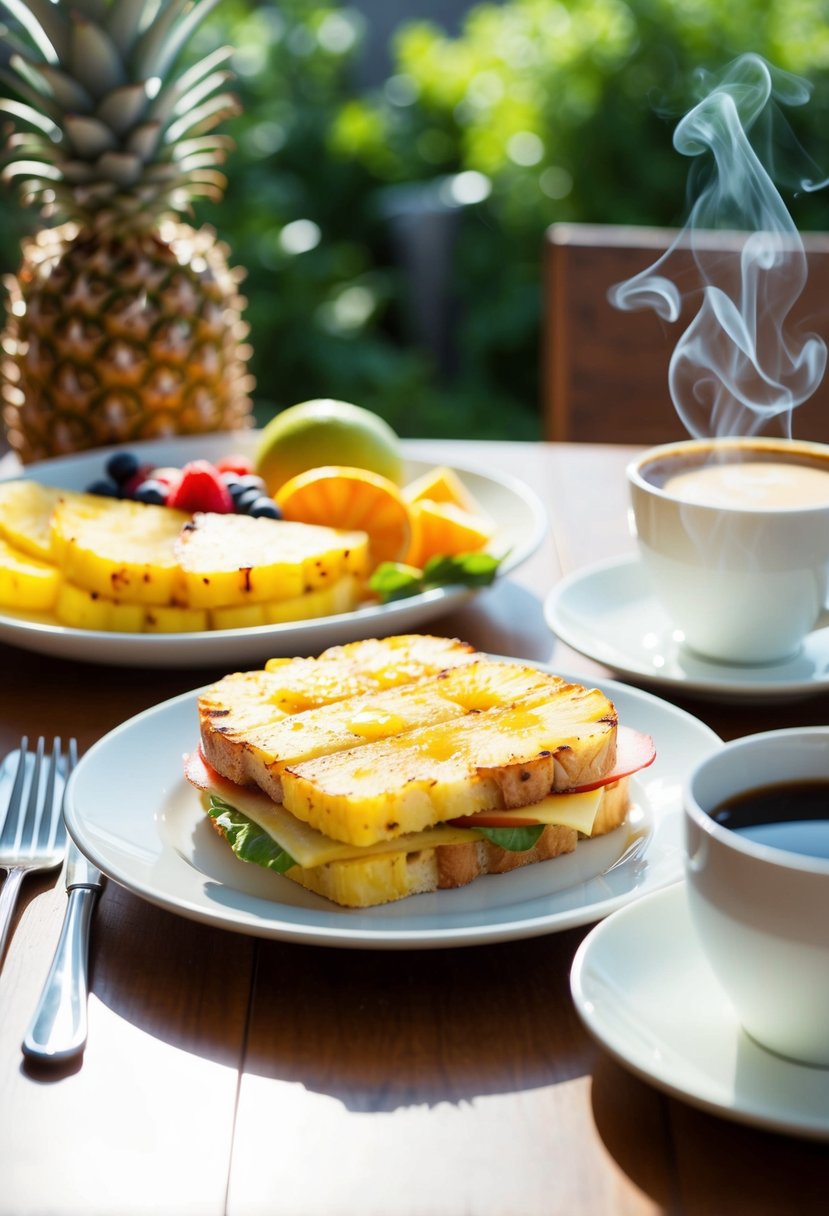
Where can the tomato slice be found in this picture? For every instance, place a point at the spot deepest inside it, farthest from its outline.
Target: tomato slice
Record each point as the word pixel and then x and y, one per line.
pixel 200 773
pixel 492 819
pixel 634 751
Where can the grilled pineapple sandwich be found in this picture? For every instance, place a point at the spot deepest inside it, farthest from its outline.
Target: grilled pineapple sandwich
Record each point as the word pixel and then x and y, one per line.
pixel 393 767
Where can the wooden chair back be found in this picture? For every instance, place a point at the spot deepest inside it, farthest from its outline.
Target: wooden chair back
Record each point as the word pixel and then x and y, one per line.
pixel 605 371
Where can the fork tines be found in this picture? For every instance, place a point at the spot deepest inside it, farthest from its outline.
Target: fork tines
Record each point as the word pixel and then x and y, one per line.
pixel 41 822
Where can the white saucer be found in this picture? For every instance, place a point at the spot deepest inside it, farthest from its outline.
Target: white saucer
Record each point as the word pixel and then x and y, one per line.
pixel 644 990
pixel 608 613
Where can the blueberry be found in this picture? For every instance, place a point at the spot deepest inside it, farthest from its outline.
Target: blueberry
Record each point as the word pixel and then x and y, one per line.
pixel 264 508
pixel 246 498
pixel 104 487
pixel 235 489
pixel 121 466
pixel 151 491
pixel 244 483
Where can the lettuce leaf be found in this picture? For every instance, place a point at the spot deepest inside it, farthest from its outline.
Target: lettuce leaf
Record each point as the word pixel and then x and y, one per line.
pixel 396 581
pixel 247 839
pixel 514 840
pixel 250 843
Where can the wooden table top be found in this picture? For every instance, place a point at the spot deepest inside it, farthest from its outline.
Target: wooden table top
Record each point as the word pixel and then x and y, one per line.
pixel 226 1073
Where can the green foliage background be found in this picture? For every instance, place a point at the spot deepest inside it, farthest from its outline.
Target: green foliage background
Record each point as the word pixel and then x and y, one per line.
pixel 539 110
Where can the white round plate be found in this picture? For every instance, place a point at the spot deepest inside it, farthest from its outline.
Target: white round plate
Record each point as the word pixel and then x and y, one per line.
pixel 645 991
pixel 519 514
pixel 608 613
pixel 131 810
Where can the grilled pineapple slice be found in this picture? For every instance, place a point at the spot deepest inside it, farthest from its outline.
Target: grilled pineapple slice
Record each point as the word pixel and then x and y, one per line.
pixel 80 609
pixel 258 753
pixel 341 596
pixel 26 583
pixel 170 618
pixel 500 758
pixel 249 699
pixel 229 560
pixel 389 662
pixel 25 514
pixel 366 882
pixel 121 549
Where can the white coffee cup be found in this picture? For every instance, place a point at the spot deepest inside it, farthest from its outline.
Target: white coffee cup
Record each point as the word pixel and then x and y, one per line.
pixel 761 912
pixel 734 537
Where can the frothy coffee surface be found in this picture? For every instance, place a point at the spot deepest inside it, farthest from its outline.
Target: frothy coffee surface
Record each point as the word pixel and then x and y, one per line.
pixel 750 484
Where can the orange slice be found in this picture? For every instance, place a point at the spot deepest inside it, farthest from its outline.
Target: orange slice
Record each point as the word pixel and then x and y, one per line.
pixel 441 484
pixel 337 496
pixel 444 529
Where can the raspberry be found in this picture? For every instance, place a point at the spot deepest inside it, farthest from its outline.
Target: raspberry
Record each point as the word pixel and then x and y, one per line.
pixel 201 489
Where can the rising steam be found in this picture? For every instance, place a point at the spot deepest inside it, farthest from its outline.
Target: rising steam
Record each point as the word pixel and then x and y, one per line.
pixel 740 362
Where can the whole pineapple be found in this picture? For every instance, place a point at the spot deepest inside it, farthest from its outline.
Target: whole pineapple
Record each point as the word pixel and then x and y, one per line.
pixel 123 322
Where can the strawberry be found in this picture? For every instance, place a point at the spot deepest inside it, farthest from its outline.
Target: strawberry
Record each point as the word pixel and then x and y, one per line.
pixel 201 488
pixel 241 465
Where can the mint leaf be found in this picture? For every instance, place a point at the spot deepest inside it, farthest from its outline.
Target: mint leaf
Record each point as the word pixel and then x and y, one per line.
pixel 468 569
pixel 248 841
pixel 514 840
pixel 395 581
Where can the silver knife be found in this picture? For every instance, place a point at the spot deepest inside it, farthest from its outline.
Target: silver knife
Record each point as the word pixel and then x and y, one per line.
pixel 58 1029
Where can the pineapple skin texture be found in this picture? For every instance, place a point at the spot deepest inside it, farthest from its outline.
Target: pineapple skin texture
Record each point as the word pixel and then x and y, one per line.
pixel 114 339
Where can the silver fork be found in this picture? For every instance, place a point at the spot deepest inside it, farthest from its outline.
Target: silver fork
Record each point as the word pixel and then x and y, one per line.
pixel 33 835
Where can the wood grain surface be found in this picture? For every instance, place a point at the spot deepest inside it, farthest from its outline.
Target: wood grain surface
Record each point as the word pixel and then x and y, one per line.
pixel 226 1074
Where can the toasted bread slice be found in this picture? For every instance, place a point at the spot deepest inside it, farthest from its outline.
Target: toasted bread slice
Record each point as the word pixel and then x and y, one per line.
pixel 248 751
pixel 497 759
pixel 385 877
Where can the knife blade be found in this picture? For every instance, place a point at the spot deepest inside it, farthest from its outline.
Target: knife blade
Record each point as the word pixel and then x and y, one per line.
pixel 58 1029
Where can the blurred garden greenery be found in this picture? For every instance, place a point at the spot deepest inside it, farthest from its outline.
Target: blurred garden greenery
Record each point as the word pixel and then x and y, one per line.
pixel 392 236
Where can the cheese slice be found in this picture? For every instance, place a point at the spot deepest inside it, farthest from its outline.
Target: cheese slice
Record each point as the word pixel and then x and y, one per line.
pixel 310 848
pixel 563 810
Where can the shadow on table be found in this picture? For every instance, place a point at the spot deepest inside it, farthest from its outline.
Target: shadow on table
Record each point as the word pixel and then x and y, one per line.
pixel 173 978
pixel 376 1029
pixel 751 1172
pixel 382 1030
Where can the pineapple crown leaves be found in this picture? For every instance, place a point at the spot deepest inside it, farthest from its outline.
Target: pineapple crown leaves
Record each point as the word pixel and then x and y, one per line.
pixel 101 128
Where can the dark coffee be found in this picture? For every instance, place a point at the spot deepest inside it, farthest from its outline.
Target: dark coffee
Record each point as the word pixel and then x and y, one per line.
pixel 793 816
